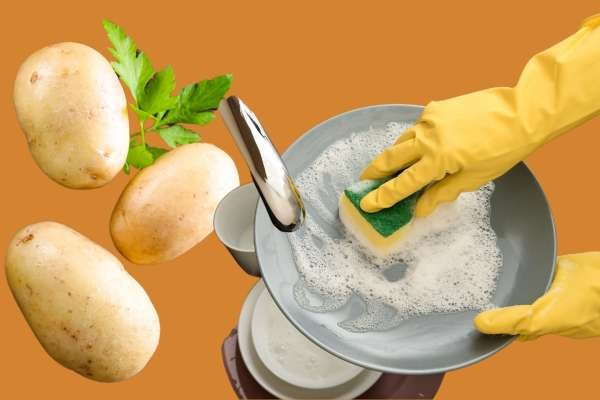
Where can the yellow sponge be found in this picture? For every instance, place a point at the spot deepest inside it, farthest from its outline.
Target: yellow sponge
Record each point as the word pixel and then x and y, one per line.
pixel 379 232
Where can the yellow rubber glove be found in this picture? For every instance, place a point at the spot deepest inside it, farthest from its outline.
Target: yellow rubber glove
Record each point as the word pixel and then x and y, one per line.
pixel 466 141
pixel 570 308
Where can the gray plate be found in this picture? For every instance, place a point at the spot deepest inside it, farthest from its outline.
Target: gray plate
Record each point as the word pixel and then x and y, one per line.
pixel 432 343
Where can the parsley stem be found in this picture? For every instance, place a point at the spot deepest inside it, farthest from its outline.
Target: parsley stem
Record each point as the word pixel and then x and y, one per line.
pixel 142 134
pixel 156 125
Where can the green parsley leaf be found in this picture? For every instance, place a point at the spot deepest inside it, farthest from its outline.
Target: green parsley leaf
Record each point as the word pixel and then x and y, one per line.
pixel 142 115
pixel 132 65
pixel 196 99
pixel 206 94
pixel 188 117
pixel 153 100
pixel 157 93
pixel 157 152
pixel 177 135
pixel 139 156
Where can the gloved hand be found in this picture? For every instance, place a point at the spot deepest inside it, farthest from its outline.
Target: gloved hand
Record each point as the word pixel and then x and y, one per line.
pixel 570 308
pixel 466 141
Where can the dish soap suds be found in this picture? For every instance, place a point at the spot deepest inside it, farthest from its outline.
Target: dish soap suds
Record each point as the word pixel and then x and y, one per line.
pixel 447 262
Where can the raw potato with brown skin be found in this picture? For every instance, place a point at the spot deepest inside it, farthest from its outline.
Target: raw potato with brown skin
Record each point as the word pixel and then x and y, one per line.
pixel 88 313
pixel 73 110
pixel 169 207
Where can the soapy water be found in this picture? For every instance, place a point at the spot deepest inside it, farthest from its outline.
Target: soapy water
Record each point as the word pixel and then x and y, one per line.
pixel 446 262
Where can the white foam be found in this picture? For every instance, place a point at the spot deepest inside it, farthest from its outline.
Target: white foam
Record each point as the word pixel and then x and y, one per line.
pixel 450 259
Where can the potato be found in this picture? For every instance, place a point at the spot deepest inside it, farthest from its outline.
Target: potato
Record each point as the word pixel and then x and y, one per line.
pixel 168 207
pixel 73 110
pixel 88 313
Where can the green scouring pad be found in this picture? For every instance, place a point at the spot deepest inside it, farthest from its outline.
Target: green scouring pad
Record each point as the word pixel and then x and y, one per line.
pixel 381 231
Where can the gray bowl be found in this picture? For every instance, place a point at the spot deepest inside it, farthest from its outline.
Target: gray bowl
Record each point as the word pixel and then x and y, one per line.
pixel 433 343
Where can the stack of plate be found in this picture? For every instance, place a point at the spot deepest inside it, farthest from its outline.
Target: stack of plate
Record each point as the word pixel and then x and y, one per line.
pixel 262 330
pixel 346 382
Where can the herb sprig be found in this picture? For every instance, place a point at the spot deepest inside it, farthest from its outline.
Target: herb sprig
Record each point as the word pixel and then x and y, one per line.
pixel 154 102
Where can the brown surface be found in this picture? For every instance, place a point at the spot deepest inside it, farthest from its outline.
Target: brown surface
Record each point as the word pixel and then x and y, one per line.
pixel 295 67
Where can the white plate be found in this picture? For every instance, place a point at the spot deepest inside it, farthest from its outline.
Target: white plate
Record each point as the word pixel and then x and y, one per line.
pixel 279 387
pixel 292 356
pixel 426 344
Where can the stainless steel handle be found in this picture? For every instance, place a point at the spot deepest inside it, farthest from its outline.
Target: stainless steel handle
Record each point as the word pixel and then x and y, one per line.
pixel 282 199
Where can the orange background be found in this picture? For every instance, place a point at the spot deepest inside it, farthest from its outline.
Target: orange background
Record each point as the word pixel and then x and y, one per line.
pixel 295 66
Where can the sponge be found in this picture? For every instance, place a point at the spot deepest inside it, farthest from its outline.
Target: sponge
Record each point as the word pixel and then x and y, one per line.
pixel 379 232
